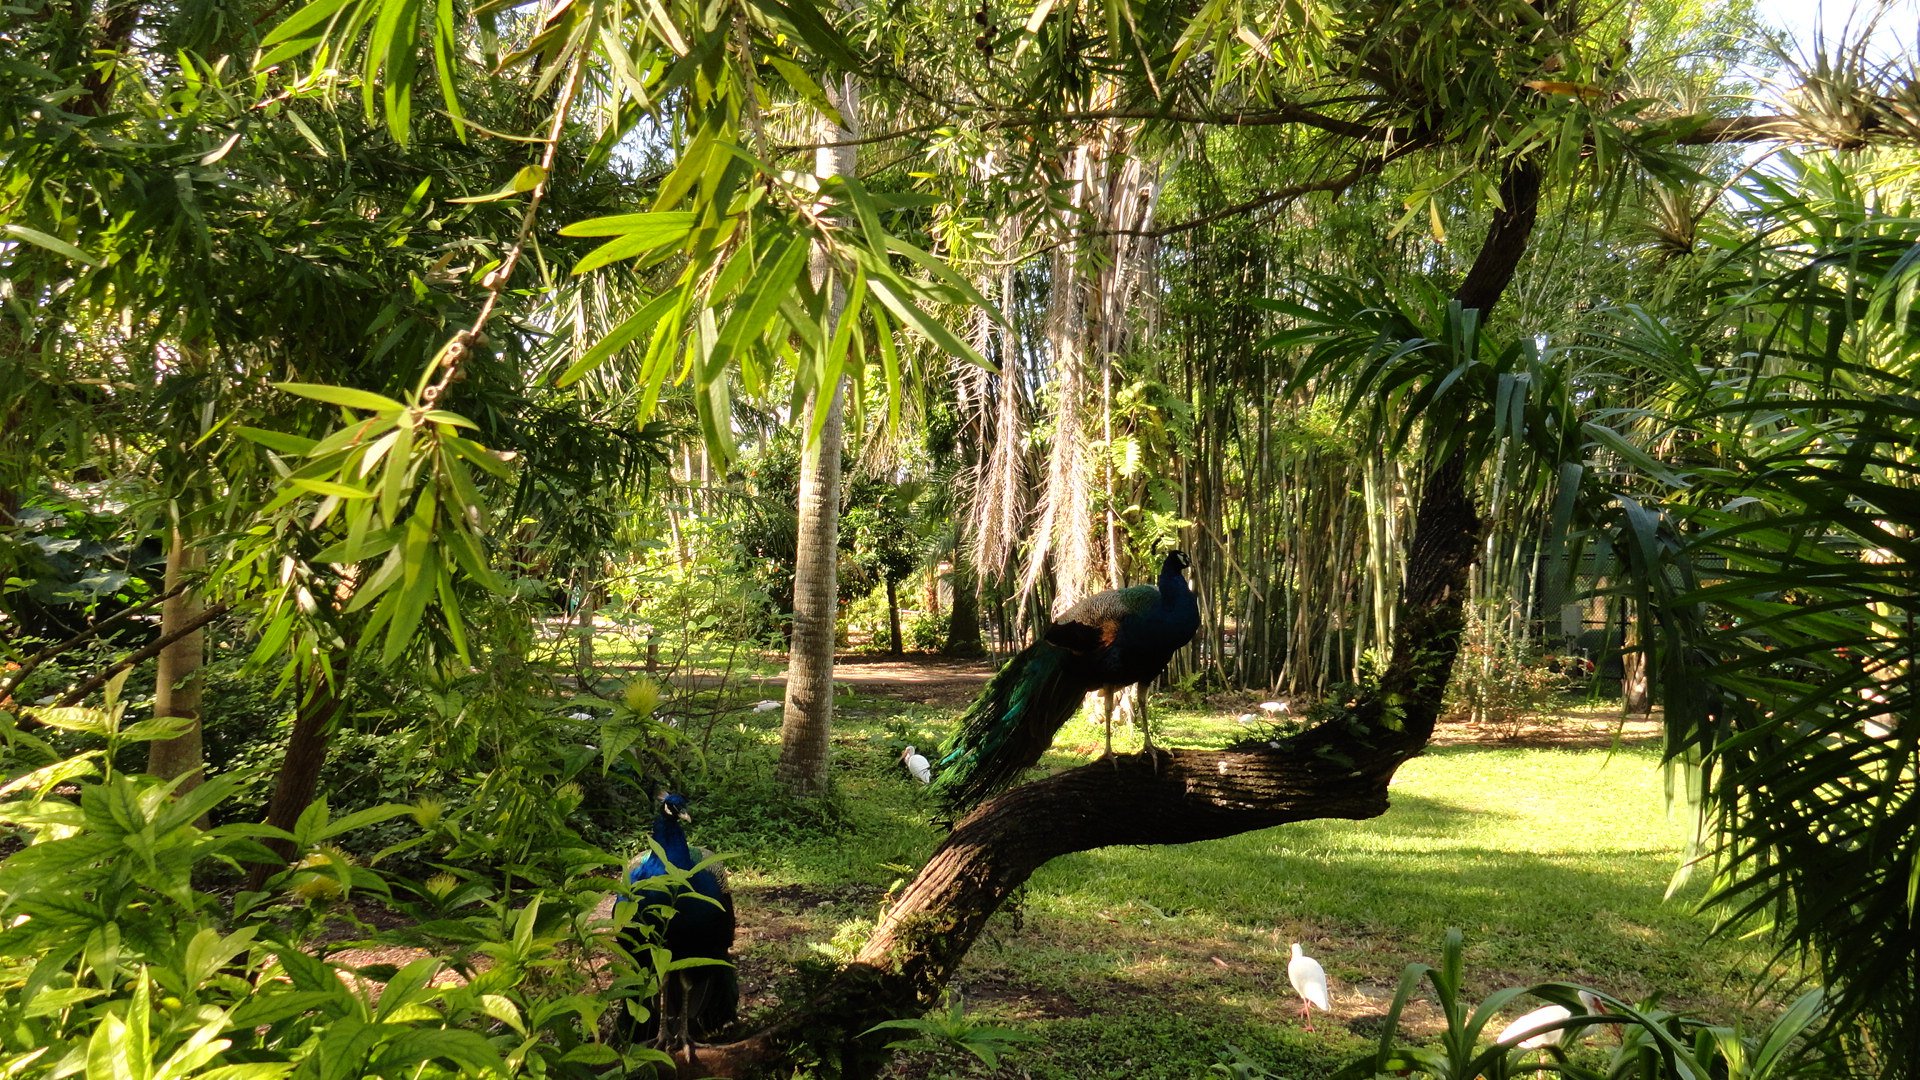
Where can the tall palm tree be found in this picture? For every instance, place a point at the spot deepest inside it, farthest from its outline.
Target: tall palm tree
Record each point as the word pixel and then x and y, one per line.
pixel 806 726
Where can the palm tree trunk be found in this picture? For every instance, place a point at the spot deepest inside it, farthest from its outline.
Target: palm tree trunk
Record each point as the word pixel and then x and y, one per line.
pixel 963 631
pixel 1635 691
pixel 807 725
pixel 177 683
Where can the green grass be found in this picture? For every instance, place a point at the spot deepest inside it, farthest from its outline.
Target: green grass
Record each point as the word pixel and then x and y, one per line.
pixel 1147 962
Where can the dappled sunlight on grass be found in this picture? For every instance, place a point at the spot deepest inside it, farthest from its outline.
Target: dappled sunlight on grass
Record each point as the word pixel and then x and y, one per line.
pixel 1147 962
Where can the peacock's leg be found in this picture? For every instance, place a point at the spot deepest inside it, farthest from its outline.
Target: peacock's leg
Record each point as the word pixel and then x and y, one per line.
pixel 685 1019
pixel 1146 729
pixel 1106 708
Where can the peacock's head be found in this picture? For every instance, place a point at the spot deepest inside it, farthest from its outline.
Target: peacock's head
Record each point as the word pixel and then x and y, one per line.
pixel 1176 561
pixel 675 806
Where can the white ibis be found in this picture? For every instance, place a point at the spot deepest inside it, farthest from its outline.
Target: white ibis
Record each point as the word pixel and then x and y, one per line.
pixel 1529 1031
pixel 1595 1007
pixel 917 766
pixel 1309 980
pixel 1248 718
pixel 765 706
pixel 1274 709
pixel 1537 1031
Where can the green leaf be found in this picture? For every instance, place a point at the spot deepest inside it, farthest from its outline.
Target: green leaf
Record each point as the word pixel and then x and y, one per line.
pixel 329 488
pixel 51 243
pixel 658 222
pixel 930 327
pixel 301 21
pixel 344 396
pixel 618 338
pixel 772 282
pixel 392 49
pixel 277 441
pixel 527 179
pixel 410 602
pixel 360 819
pixel 636 241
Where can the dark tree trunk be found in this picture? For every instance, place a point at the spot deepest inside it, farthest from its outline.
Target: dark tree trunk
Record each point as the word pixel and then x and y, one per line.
pixel 1337 770
pixel 898 647
pixel 299 774
pixel 963 631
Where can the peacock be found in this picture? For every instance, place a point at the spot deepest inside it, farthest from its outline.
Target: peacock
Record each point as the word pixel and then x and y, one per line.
pixel 694 920
pixel 1106 642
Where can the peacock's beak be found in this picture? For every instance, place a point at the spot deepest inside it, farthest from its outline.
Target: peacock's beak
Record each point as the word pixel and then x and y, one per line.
pixel 685 818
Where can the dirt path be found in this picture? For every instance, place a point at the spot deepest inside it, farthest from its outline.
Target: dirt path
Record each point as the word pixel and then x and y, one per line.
pixel 928 680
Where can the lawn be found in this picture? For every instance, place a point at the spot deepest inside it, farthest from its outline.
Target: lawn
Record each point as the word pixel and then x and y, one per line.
pixel 1149 962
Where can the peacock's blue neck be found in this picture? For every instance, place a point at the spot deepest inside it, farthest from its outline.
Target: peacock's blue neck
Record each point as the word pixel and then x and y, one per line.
pixel 672 839
pixel 1173 585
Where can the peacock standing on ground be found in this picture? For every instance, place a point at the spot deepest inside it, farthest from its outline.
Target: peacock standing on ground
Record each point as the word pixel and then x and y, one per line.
pixel 1106 642
pixel 694 920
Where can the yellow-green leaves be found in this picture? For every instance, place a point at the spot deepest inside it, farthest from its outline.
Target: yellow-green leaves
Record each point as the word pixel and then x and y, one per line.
pixel 344 396
pixel 758 287
pixel 331 29
pixel 393 500
pixel 528 178
pixel 51 243
pixel 633 235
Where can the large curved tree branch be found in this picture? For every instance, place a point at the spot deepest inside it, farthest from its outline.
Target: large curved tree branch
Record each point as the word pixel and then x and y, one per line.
pixel 1337 770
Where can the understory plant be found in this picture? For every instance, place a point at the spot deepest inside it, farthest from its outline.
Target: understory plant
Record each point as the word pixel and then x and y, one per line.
pixel 1501 682
pixel 1652 1043
pixel 118 960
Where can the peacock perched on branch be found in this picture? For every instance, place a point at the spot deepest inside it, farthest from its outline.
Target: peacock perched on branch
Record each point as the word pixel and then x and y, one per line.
pixel 1106 642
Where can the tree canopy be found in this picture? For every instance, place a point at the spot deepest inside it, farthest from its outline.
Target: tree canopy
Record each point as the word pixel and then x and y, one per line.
pixel 1511 330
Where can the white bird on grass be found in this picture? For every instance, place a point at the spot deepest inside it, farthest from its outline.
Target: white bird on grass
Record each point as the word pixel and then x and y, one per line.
pixel 1529 1030
pixel 1274 708
pixel 1536 1030
pixel 765 706
pixel 917 766
pixel 1248 718
pixel 1309 980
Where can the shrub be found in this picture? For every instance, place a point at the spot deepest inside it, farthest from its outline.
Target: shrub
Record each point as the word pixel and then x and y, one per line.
pixel 113 961
pixel 927 632
pixel 1500 682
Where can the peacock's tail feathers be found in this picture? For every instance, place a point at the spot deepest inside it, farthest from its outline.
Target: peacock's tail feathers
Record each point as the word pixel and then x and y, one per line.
pixel 1008 727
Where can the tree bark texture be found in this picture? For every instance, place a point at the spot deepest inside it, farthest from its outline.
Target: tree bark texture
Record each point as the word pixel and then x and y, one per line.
pixel 177 680
pixel 963 630
pixel 1339 769
pixel 897 647
pixel 806 726
pixel 583 622
pixel 299 775
pixel 1636 690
